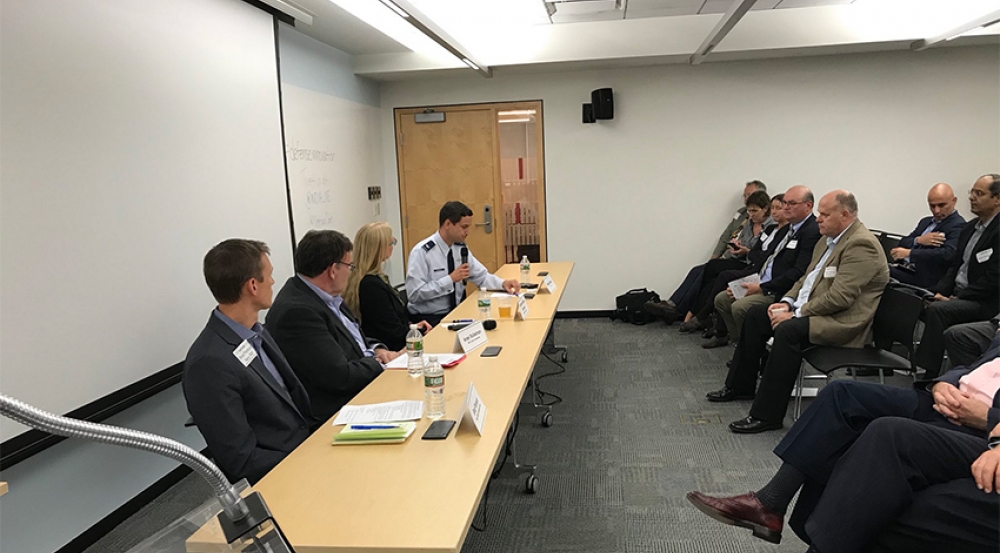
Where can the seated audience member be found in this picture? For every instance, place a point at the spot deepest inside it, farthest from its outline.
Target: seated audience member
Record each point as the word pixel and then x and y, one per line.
pixel 318 333
pixel 780 271
pixel 970 290
pixel 885 469
pixel 923 256
pixel 435 274
pixel 369 295
pixel 966 342
pixel 682 300
pixel 785 264
pixel 247 402
pixel 758 208
pixel 832 305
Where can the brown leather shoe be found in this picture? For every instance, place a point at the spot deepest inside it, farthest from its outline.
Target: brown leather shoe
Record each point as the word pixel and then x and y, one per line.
pixel 744 511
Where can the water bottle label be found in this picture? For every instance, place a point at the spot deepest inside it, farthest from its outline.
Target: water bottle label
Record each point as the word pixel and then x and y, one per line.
pixel 483 303
pixel 433 381
pixel 415 346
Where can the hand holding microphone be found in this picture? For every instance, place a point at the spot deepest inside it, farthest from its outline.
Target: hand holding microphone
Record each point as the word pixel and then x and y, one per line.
pixel 465 263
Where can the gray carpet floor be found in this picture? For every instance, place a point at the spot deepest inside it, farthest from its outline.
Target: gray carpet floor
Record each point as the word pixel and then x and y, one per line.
pixel 632 435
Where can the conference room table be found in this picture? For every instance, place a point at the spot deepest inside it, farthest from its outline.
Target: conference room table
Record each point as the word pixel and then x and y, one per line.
pixel 420 495
pixel 541 307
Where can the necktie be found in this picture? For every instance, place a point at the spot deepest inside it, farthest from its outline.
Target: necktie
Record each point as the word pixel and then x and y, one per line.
pixel 789 236
pixel 452 304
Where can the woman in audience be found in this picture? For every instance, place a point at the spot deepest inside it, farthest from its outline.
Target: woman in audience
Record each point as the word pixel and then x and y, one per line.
pixel 376 304
pixel 758 217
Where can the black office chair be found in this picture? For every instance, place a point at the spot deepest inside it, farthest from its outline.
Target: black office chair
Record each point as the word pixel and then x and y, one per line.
pixel 889 241
pixel 895 320
pixel 401 291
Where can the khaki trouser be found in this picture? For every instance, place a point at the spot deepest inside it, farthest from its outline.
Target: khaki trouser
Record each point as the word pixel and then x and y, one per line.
pixel 733 312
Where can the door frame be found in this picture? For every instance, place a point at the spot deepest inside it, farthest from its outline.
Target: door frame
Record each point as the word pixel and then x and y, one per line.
pixel 537 105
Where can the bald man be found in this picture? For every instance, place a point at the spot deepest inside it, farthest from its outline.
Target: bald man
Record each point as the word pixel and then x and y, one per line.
pixel 924 255
pixel 833 304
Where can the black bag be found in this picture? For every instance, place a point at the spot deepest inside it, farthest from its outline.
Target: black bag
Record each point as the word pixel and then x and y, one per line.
pixel 629 306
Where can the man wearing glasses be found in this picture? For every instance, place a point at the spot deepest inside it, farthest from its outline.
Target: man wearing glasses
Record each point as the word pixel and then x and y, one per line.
pixel 970 290
pixel 315 329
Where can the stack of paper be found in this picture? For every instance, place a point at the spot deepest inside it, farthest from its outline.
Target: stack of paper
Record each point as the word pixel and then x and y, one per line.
pixel 737 285
pixel 447 360
pixel 375 433
pixel 388 412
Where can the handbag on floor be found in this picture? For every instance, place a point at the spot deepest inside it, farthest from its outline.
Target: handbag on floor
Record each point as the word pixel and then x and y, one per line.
pixel 629 306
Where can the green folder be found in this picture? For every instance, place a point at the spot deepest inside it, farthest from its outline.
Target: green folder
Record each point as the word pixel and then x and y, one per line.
pixel 397 434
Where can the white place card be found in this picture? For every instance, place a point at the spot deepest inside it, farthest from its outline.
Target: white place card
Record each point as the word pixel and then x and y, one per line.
pixel 548 285
pixel 470 338
pixel 473 410
pixel 522 309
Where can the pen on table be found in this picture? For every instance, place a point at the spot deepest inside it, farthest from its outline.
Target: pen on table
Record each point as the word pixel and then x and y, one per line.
pixel 373 426
pixel 457 321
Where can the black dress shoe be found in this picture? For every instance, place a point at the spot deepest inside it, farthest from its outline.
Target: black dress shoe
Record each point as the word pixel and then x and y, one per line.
pixel 751 425
pixel 709 333
pixel 727 394
pixel 691 325
pixel 717 342
pixel 665 311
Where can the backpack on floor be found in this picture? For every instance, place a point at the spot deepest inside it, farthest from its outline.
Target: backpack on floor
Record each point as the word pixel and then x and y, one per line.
pixel 629 306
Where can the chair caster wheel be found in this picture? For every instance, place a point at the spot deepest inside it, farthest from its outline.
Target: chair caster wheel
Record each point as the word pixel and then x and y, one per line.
pixel 546 419
pixel 531 484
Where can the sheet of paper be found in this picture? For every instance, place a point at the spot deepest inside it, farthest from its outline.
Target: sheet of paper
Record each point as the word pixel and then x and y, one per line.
pixel 391 411
pixel 443 358
pixel 739 291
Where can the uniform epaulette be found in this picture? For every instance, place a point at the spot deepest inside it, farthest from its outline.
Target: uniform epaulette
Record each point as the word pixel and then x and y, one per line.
pixel 429 245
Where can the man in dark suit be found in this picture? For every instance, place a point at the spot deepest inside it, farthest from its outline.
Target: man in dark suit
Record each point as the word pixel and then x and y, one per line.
pixel 782 269
pixel 881 468
pixel 245 399
pixel 923 256
pixel 318 333
pixel 970 290
pixel 833 304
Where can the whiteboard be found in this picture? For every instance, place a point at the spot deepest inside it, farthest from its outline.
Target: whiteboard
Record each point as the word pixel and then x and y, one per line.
pixel 332 147
pixel 135 136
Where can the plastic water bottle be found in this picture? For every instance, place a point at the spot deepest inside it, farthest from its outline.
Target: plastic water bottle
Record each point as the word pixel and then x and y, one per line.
pixel 414 352
pixel 525 269
pixel 433 388
pixel 484 304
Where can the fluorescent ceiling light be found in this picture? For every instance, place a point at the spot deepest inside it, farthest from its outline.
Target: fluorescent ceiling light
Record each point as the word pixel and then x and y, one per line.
pixel 951 34
pixel 495 31
pixel 516 112
pixel 388 22
pixel 466 61
pixel 523 120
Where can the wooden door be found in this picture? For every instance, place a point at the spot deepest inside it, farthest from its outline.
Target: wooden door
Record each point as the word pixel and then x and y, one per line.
pixel 452 160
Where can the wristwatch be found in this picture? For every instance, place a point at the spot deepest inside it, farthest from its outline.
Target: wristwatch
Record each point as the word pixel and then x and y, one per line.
pixel 994 441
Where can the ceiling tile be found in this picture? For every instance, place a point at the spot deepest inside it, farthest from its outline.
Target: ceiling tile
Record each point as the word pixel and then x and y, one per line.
pixel 611 15
pixel 634 13
pixel 665 4
pixel 810 3
pixel 716 6
pixel 581 7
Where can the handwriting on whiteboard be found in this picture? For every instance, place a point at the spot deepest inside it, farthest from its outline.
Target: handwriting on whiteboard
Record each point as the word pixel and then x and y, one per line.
pixel 296 153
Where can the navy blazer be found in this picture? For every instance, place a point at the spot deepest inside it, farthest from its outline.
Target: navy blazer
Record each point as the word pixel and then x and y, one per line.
pixel 248 420
pixel 984 277
pixel 321 351
pixel 952 377
pixel 931 263
pixel 790 264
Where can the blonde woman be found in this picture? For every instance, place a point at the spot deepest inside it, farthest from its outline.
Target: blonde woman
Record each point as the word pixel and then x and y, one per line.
pixel 370 296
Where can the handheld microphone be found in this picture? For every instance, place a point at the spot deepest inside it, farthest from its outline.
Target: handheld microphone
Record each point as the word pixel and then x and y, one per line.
pixel 465 259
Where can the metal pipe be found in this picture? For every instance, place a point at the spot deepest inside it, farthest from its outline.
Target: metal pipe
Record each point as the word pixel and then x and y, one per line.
pixel 232 504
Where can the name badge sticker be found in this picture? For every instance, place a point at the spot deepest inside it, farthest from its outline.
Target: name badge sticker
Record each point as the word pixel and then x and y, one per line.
pixel 984 255
pixel 829 272
pixel 792 244
pixel 245 353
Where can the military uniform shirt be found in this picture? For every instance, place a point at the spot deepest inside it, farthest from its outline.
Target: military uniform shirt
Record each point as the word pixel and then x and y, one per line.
pixel 427 277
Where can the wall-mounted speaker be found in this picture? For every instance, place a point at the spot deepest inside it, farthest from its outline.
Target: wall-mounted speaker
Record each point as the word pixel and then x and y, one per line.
pixel 588 113
pixel 604 104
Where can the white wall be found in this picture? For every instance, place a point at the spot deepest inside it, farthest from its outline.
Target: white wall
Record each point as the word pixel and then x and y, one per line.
pixel 638 200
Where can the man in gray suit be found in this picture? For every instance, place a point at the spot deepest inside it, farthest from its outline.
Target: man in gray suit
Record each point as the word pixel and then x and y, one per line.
pixel 245 399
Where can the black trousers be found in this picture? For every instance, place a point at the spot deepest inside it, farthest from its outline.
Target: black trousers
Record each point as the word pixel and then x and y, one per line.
pixel 781 369
pixel 885 472
pixel 938 316
pixel 703 303
pixel 967 342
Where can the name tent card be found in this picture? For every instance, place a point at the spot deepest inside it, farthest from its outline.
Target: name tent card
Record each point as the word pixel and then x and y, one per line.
pixel 522 309
pixel 473 410
pixel 470 338
pixel 548 284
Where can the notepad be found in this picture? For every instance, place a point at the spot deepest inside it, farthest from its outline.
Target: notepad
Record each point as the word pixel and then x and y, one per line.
pixel 397 433
pixel 739 292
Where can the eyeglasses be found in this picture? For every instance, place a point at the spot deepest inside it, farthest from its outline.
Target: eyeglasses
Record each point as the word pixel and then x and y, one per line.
pixel 393 243
pixel 978 193
pixel 793 203
pixel 351 265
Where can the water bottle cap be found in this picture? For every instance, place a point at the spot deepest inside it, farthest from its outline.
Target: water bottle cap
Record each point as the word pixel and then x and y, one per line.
pixel 432 359
pixel 413 327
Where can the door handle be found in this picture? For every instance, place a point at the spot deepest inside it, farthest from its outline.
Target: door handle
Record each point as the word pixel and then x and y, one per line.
pixel 487 219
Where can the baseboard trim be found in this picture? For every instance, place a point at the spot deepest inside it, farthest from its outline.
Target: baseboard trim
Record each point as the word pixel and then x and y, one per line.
pixel 583 314
pixel 102 527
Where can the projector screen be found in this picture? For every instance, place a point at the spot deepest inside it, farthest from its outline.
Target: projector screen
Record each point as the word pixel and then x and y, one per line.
pixel 135 135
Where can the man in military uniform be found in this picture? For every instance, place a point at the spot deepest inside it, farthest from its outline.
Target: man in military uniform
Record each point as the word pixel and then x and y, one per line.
pixel 436 274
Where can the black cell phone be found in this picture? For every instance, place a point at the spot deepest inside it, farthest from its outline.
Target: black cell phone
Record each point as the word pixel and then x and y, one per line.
pixel 529 295
pixel 733 245
pixel 438 430
pixel 491 351
pixel 529 285
pixel 543 273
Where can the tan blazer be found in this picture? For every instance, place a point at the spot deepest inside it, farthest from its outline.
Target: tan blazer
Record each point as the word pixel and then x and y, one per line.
pixel 842 305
